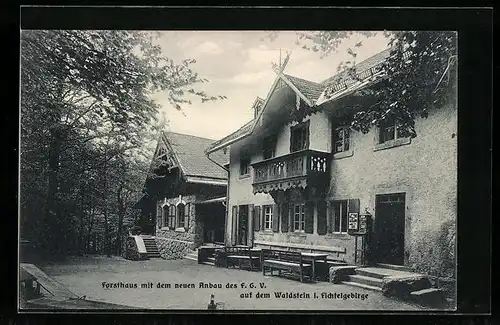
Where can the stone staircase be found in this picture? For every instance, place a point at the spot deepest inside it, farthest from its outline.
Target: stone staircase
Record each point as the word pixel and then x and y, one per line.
pixel 193 255
pixel 151 248
pixel 395 281
pixel 209 260
pixel 373 277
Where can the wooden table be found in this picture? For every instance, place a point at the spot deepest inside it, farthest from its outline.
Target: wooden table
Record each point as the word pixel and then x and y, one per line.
pixel 313 257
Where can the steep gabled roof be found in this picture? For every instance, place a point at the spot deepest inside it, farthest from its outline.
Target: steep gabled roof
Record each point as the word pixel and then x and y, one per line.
pixel 243 131
pixel 361 66
pixel 312 90
pixel 189 151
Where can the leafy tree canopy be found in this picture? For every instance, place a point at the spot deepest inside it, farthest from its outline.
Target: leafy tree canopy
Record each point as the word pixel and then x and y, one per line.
pixel 86 117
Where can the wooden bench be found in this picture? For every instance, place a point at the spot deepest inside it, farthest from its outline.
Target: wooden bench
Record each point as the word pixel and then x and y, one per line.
pixel 285 261
pixel 241 256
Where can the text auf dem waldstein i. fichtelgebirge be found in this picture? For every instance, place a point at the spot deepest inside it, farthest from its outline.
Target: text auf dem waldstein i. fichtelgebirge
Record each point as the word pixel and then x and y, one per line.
pixel 241 285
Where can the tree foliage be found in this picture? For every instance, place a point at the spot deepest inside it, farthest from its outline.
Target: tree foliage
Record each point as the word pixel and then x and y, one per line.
pixel 86 120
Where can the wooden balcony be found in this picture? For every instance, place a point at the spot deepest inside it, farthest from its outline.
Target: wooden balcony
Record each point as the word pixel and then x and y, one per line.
pixel 298 169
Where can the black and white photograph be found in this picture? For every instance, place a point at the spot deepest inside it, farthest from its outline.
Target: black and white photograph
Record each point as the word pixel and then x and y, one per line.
pixel 238 170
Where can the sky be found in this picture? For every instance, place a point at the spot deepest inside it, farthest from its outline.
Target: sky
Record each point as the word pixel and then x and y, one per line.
pixel 238 66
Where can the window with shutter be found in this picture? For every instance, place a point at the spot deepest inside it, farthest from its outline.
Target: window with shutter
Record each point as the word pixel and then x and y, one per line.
pixel 180 215
pixel 158 210
pixel 339 212
pixel 321 217
pixel 172 217
pixel 309 220
pixel 284 217
pixel 275 218
pixel 234 225
pixel 269 147
pixel 256 218
pixel 341 139
pixel 299 216
pixel 262 219
pixel 299 137
pixel 268 217
pixel 353 205
pixel 251 217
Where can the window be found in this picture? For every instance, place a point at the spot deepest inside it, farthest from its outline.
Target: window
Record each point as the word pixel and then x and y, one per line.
pixel 388 130
pixel 339 213
pixel 269 145
pixel 244 166
pixel 268 217
pixel 299 217
pixel 180 215
pixel 341 138
pixel 164 215
pixel 171 217
pixel 299 137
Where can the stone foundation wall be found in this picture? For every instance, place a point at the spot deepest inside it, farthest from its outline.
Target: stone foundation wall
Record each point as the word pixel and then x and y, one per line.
pixel 130 250
pixel 172 249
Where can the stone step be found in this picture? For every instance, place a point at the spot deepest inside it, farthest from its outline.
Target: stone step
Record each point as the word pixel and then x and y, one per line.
pixel 431 297
pixel 370 273
pixel 394 267
pixel 208 263
pixel 211 259
pixel 190 257
pixel 376 282
pixel 151 247
pixel 380 273
pixel 361 285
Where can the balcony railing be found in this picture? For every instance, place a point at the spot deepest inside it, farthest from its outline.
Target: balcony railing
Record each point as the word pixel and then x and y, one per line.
pixel 295 165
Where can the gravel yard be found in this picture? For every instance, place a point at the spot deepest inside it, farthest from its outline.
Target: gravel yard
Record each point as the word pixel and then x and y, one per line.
pixel 184 284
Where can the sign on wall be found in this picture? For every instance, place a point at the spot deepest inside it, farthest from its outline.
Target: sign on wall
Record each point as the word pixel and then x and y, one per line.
pixel 353 221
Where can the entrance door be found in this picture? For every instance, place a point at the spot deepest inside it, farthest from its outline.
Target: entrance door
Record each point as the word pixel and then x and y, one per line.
pixel 389 229
pixel 212 216
pixel 242 237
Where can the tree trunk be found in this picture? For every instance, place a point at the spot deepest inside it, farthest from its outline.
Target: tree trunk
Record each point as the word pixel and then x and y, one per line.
pixel 91 225
pixel 52 223
pixel 81 213
pixel 121 210
pixel 105 196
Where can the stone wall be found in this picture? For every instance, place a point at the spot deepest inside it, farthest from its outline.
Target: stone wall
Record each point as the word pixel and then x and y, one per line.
pixel 172 249
pixel 175 243
pixel 130 250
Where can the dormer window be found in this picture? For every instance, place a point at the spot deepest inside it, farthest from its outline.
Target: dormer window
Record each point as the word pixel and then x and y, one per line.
pixel 341 139
pixel 269 147
pixel 299 137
